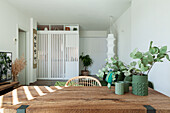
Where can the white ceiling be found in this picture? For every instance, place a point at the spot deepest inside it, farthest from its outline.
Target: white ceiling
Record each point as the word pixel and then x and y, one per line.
pixel 89 14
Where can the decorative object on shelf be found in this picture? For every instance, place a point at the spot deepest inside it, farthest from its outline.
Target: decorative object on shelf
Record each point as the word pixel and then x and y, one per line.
pixel 67 28
pixel 58 27
pixel 114 68
pixel 74 29
pixel 119 88
pixel 126 87
pixel 87 61
pixel 45 29
pixel 145 62
pixel 17 66
pixel 35 49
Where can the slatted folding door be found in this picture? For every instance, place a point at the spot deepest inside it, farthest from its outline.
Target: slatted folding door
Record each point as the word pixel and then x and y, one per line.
pixel 58 55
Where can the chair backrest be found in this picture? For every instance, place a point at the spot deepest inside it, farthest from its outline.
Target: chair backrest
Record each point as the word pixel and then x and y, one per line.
pixel 83 81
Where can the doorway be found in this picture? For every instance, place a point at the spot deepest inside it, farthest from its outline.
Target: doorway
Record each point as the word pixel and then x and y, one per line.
pixel 22 53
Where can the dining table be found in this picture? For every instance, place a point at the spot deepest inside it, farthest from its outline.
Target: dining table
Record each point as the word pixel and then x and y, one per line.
pixel 56 99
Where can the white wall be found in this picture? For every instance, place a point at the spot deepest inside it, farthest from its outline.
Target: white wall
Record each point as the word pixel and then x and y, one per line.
pixel 151 21
pixel 97 49
pixel 9 18
pixel 122 31
pixel 93 34
pixel 94 44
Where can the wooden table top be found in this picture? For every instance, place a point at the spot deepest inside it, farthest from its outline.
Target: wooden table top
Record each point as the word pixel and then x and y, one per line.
pixel 44 99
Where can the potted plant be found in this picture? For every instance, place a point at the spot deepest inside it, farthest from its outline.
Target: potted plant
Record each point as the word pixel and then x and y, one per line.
pixel 17 66
pixel 140 69
pixel 87 61
pixel 116 68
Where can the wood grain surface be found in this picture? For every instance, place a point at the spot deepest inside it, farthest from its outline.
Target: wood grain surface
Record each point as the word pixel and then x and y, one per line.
pixel 44 99
pixel 6 85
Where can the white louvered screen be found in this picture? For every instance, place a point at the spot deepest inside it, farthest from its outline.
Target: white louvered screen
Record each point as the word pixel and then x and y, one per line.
pixel 58 55
pixel 43 56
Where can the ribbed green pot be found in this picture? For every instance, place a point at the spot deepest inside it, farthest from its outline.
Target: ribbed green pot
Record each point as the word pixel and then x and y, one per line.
pixel 140 85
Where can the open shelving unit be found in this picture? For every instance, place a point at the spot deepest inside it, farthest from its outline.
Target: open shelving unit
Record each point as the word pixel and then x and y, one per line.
pixel 58 27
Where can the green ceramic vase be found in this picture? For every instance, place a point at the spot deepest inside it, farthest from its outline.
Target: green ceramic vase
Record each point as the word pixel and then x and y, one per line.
pixel 119 88
pixel 140 85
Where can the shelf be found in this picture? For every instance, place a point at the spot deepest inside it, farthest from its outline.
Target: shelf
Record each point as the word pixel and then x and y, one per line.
pixel 57 32
pixel 58 27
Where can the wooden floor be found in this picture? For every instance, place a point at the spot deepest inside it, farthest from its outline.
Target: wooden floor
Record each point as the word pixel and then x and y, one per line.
pixel 45 82
pixel 51 82
pixel 44 99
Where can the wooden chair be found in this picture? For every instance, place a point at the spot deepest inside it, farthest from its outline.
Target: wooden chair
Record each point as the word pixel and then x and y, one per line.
pixel 83 81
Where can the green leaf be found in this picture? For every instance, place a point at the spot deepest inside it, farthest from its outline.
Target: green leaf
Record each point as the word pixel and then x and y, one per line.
pixel 122 67
pixel 144 68
pixel 137 70
pixel 150 58
pixel 113 60
pixel 127 73
pixel 132 55
pixel 167 57
pixel 152 50
pixel 117 73
pixel 163 49
pixel 139 63
pixel 156 50
pixel 145 60
pixel 104 69
pixel 160 55
pixel 147 53
pixel 158 60
pixel 133 63
pixel 138 55
pixel 120 63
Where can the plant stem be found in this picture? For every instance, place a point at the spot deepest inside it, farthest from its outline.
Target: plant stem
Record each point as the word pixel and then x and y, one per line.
pixel 150 68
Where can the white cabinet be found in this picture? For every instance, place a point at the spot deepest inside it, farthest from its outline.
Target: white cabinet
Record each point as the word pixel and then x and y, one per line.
pixel 58 54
